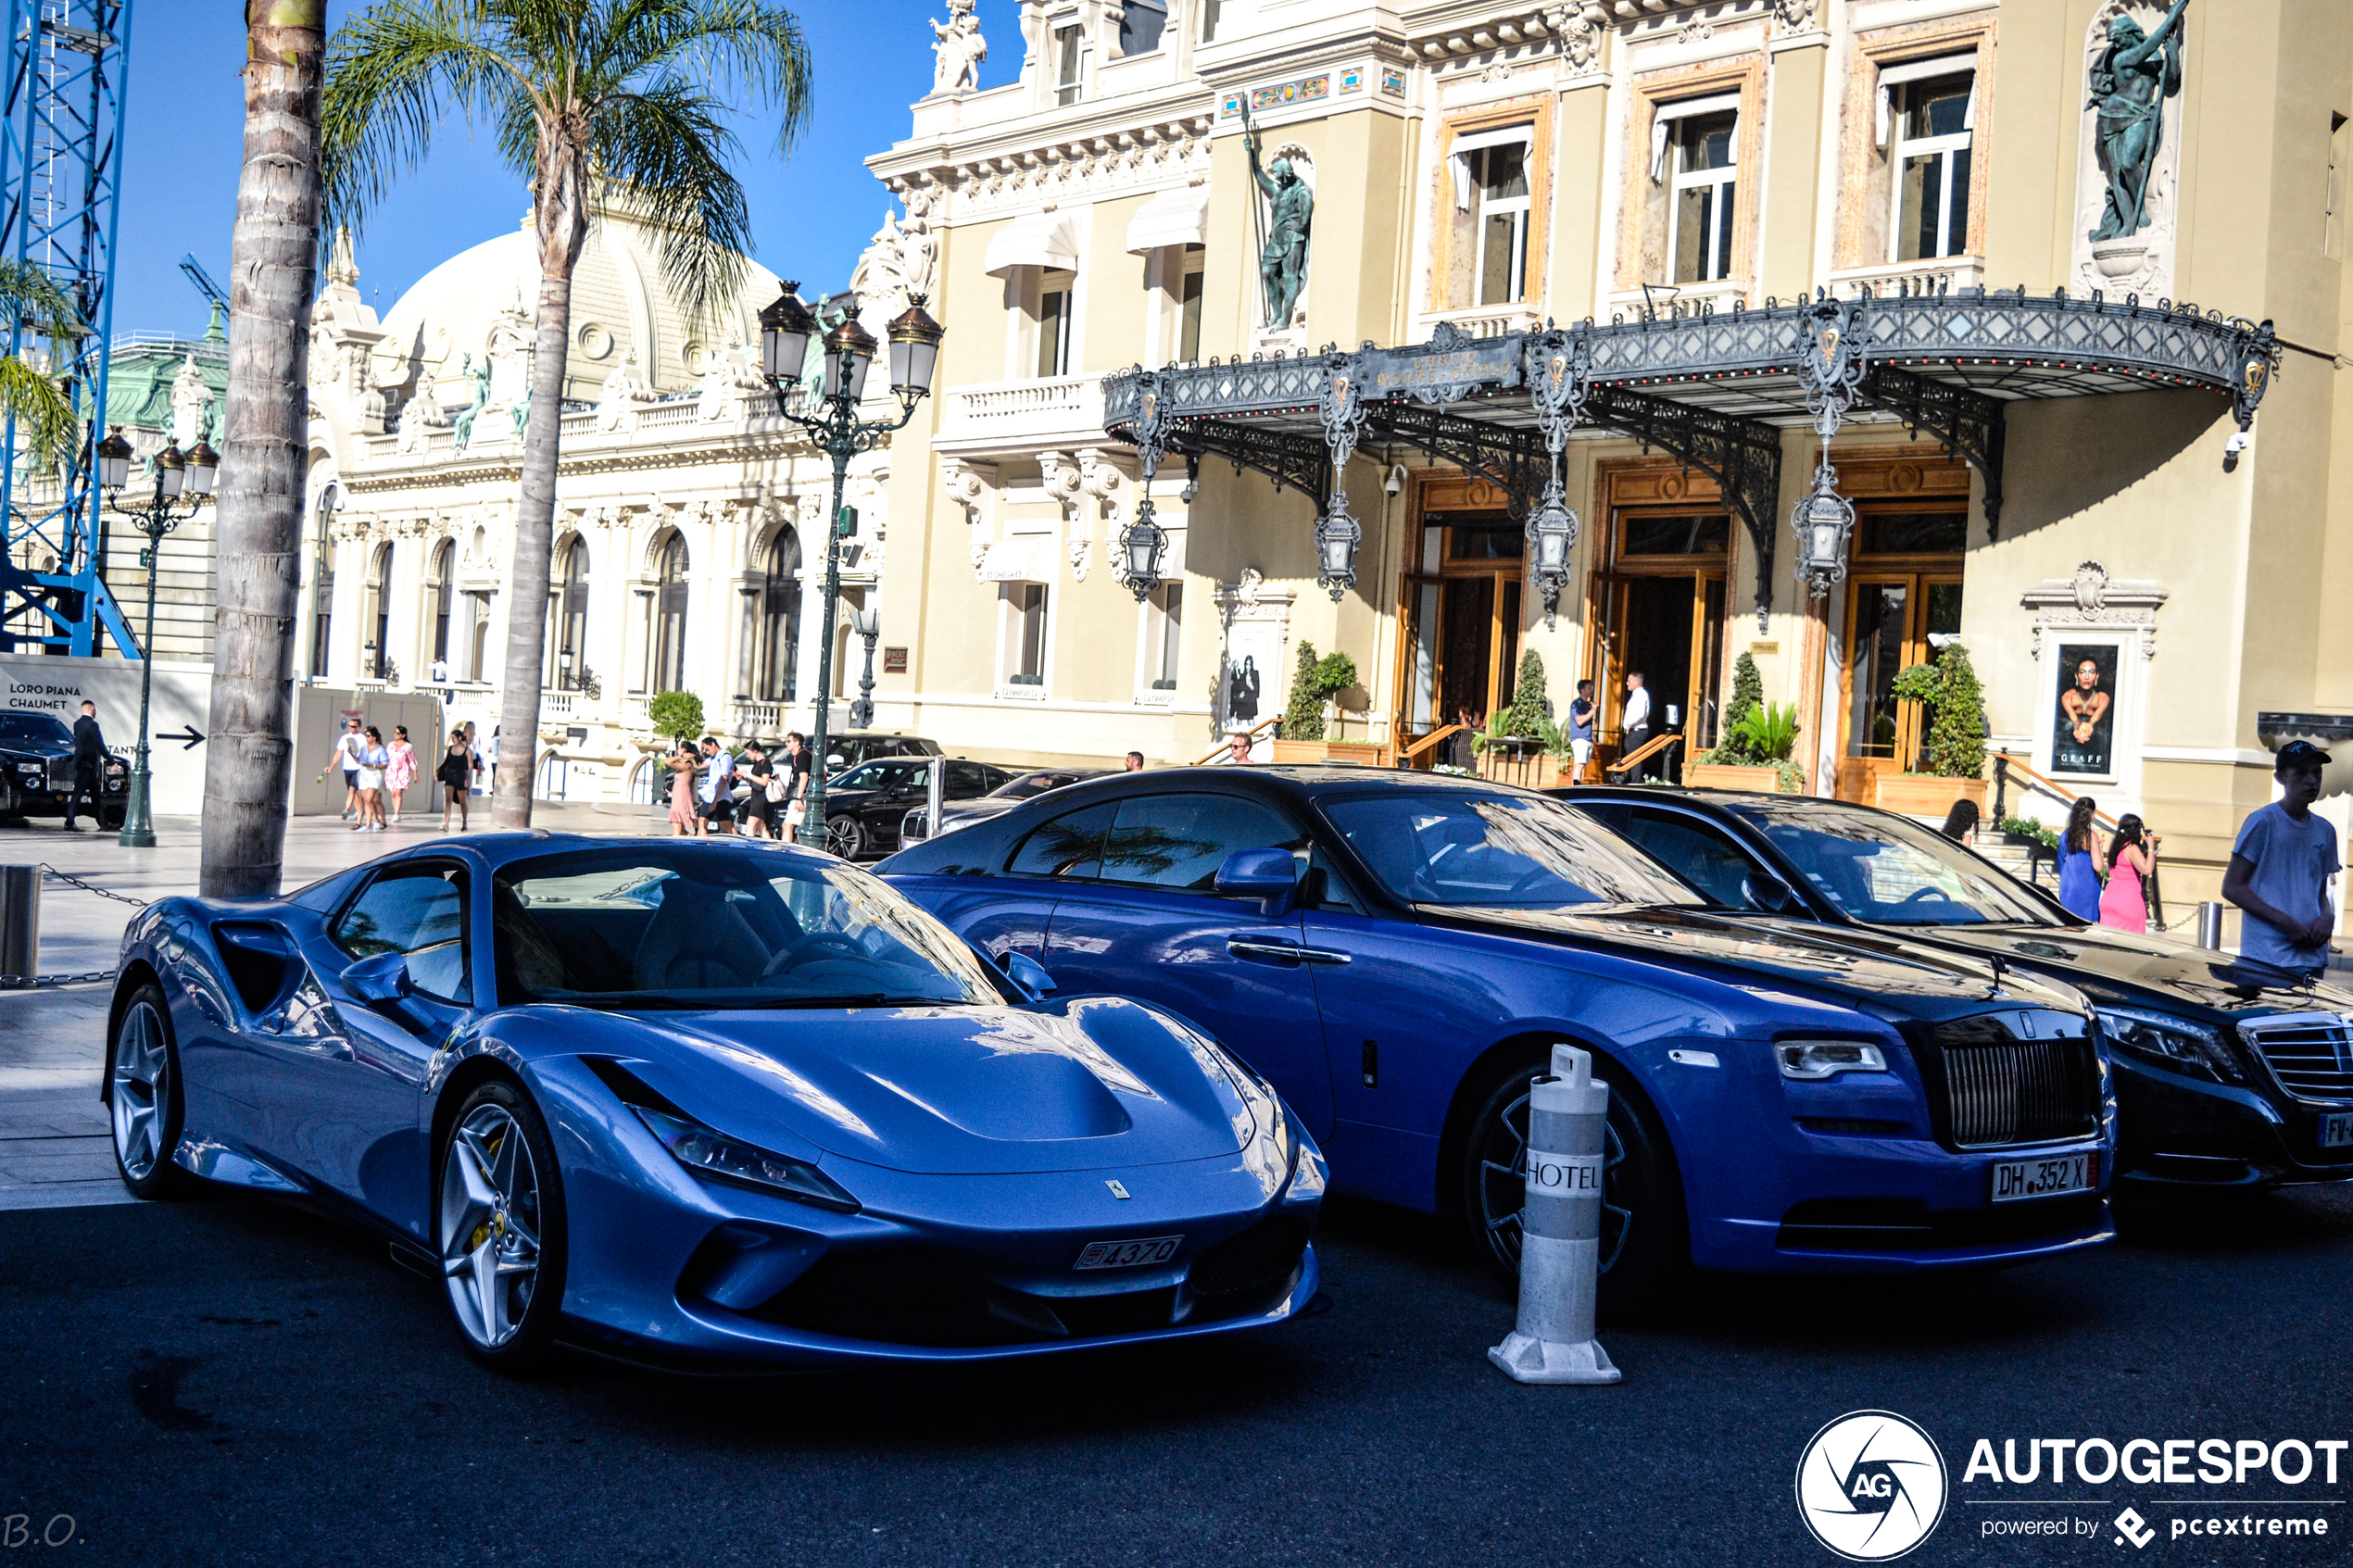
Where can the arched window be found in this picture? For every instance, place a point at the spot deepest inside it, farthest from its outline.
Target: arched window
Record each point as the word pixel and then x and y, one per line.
pixel 375 618
pixel 780 619
pixel 442 571
pixel 568 616
pixel 641 782
pixel 669 642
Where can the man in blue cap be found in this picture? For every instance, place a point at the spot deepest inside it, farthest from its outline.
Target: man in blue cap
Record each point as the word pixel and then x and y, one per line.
pixel 2280 869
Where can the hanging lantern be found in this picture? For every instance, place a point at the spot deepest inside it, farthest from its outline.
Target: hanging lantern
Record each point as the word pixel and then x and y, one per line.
pixel 1143 543
pixel 1824 522
pixel 1337 536
pixel 1552 533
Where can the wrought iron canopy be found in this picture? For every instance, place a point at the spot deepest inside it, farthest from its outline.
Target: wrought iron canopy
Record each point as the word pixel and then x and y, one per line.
pixel 1713 388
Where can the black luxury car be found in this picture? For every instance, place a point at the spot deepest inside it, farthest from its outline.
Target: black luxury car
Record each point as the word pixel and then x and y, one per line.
pixel 847 751
pixel 36 770
pixel 997 802
pixel 865 803
pixel 2228 1072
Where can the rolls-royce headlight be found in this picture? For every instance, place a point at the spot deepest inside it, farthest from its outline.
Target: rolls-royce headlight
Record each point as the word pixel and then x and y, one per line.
pixel 1813 1061
pixel 2175 1044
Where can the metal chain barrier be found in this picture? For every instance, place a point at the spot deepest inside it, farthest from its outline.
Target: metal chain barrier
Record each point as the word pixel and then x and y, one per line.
pixel 87 977
pixel 72 881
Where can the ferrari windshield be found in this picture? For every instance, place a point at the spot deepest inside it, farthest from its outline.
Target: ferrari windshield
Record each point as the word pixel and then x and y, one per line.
pixel 1884 870
pixel 686 926
pixel 1497 851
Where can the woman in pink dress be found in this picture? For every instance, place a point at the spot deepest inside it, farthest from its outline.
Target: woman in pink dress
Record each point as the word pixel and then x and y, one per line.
pixel 401 772
pixel 2131 855
pixel 684 765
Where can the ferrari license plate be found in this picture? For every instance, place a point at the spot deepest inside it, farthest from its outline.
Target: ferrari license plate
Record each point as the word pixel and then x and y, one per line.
pixel 2336 1129
pixel 2014 1179
pixel 1129 1254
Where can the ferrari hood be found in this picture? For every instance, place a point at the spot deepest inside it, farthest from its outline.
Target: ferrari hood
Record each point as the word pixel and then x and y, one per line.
pixel 2122 966
pixel 1878 973
pixel 1084 1085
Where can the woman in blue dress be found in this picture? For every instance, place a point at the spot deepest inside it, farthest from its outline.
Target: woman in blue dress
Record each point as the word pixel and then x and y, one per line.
pixel 2079 887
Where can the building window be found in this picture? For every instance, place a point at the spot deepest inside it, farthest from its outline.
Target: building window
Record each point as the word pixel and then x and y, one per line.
pixel 1209 9
pixel 1067 64
pixel 1054 323
pixel 1932 139
pixel 668 644
pixel 444 561
pixel 1700 217
pixel 568 607
pixel 1500 176
pixel 1141 25
pixel 376 617
pixel 1188 305
pixel 1025 612
pixel 780 619
pixel 1163 625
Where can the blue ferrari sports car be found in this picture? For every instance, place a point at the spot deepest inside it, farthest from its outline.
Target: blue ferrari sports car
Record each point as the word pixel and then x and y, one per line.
pixel 707 1103
pixel 1398 952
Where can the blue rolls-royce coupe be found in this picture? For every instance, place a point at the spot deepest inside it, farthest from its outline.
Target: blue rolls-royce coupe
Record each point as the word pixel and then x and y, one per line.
pixel 707 1103
pixel 1398 952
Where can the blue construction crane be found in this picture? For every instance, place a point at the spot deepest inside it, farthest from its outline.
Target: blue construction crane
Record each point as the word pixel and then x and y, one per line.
pixel 203 279
pixel 61 121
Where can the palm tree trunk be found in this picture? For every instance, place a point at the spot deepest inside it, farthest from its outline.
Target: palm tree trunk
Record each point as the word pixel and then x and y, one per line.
pixel 272 272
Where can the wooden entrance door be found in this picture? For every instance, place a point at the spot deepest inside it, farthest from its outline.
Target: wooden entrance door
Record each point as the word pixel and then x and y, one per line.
pixel 1891 620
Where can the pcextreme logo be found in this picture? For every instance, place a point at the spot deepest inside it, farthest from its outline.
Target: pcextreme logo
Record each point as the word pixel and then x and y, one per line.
pixel 1870 1486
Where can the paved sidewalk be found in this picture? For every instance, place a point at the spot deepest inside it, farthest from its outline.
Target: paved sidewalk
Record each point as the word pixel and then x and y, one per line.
pixel 54 1137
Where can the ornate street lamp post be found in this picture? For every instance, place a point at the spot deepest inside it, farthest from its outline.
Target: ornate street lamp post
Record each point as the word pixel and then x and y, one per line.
pixel 176 476
pixel 785 330
pixel 867 624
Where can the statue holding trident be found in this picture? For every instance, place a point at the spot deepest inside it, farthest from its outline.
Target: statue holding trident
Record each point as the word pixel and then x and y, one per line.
pixel 2131 80
pixel 1282 255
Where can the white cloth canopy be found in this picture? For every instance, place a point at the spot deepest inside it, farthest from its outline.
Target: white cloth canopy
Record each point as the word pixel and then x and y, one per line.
pixel 1893 77
pixel 1042 239
pixel 1458 155
pixel 1666 115
pixel 1016 560
pixel 1173 218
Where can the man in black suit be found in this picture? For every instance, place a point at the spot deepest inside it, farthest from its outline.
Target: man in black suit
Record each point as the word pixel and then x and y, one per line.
pixel 89 764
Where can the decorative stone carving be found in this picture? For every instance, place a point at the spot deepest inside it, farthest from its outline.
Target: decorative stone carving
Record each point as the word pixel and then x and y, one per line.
pixel 1081 550
pixel 626 392
pixel 959 48
pixel 1579 28
pixel 2092 598
pixel 419 420
pixel 1098 478
pixel 190 398
pixel 2129 158
pixel 1797 16
pixel 965 486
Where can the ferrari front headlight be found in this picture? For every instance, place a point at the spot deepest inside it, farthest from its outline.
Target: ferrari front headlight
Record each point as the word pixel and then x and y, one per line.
pixel 718 1158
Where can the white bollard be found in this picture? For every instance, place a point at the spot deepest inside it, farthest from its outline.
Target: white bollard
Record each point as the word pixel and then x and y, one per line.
pixel 1560 1227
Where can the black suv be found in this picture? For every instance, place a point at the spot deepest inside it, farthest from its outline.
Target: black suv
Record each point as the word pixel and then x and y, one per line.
pixel 2228 1072
pixel 36 770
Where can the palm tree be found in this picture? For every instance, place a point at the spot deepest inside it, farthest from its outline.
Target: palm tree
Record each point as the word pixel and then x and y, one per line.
pixel 273 270
pixel 43 414
pixel 578 92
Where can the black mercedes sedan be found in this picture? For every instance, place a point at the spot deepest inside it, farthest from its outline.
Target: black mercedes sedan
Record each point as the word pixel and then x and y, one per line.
pixel 997 801
pixel 2228 1072
pixel 36 770
pixel 865 803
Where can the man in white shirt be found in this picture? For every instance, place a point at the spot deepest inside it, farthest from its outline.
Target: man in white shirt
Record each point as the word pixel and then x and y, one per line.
pixel 718 789
pixel 1635 726
pixel 348 745
pixel 2280 869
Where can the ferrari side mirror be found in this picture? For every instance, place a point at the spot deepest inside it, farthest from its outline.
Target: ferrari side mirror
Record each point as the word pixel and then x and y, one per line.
pixel 1027 973
pixel 384 978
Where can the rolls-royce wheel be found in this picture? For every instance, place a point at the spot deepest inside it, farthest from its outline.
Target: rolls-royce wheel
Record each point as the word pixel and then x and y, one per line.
pixel 500 1223
pixel 1645 1241
pixel 144 1099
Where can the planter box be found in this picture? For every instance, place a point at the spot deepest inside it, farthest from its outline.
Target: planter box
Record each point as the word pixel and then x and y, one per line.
pixel 1529 766
pixel 1926 795
pixel 1728 775
pixel 1364 753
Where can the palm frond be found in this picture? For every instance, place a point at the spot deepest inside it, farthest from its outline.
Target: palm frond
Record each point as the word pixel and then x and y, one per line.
pixel 732 44
pixel 669 150
pixel 43 417
pixel 29 294
pixel 393 71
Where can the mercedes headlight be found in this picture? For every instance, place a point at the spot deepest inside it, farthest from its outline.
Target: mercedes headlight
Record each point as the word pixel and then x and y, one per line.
pixel 2174 1044
pixel 1810 1061
pixel 718 1158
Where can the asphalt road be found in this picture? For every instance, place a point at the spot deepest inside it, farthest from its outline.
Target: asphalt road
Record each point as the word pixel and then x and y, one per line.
pixel 234 1381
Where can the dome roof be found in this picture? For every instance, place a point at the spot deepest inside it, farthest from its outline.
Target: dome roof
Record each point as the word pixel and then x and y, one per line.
pixel 619 301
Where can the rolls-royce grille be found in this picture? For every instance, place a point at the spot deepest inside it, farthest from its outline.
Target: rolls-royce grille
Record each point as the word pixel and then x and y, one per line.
pixel 2310 1054
pixel 1999 1089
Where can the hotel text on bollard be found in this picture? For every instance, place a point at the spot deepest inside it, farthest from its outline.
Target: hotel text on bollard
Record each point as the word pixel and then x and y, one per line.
pixel 1560 1230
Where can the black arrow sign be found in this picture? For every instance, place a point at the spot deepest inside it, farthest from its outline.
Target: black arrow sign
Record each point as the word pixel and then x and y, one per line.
pixel 190 737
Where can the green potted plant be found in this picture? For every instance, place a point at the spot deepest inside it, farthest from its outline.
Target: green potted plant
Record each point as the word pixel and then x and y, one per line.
pixel 1512 747
pixel 1314 681
pixel 1758 752
pixel 1952 755
pixel 677 715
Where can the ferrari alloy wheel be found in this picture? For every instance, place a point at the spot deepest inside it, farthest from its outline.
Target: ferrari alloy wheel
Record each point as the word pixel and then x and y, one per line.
pixel 501 1228
pixel 1645 1245
pixel 143 1094
pixel 846 836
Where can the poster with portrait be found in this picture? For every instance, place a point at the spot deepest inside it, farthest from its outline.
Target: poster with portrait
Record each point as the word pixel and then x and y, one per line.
pixel 2084 720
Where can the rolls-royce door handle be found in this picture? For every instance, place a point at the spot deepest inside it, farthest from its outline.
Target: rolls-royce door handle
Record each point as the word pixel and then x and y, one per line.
pixel 1281 952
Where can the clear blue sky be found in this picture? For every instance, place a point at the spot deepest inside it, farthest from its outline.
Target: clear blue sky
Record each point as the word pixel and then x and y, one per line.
pixel 812 213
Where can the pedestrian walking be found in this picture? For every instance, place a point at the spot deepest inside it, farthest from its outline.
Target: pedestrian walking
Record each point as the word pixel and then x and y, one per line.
pixel 1582 711
pixel 1462 748
pixel 1135 762
pixel 761 806
pixel 2280 869
pixel 89 767
pixel 2131 856
pixel 457 776
pixel 797 761
pixel 1634 725
pixel 2079 869
pixel 346 756
pixel 370 782
pixel 401 772
pixel 684 765
pixel 718 789
pixel 490 755
pixel 1960 823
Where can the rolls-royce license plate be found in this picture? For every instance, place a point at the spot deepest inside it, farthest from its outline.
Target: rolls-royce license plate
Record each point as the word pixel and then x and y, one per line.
pixel 1129 1254
pixel 2014 1179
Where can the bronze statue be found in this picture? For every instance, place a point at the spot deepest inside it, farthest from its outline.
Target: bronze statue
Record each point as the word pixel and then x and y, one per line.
pixel 1282 262
pixel 2134 77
